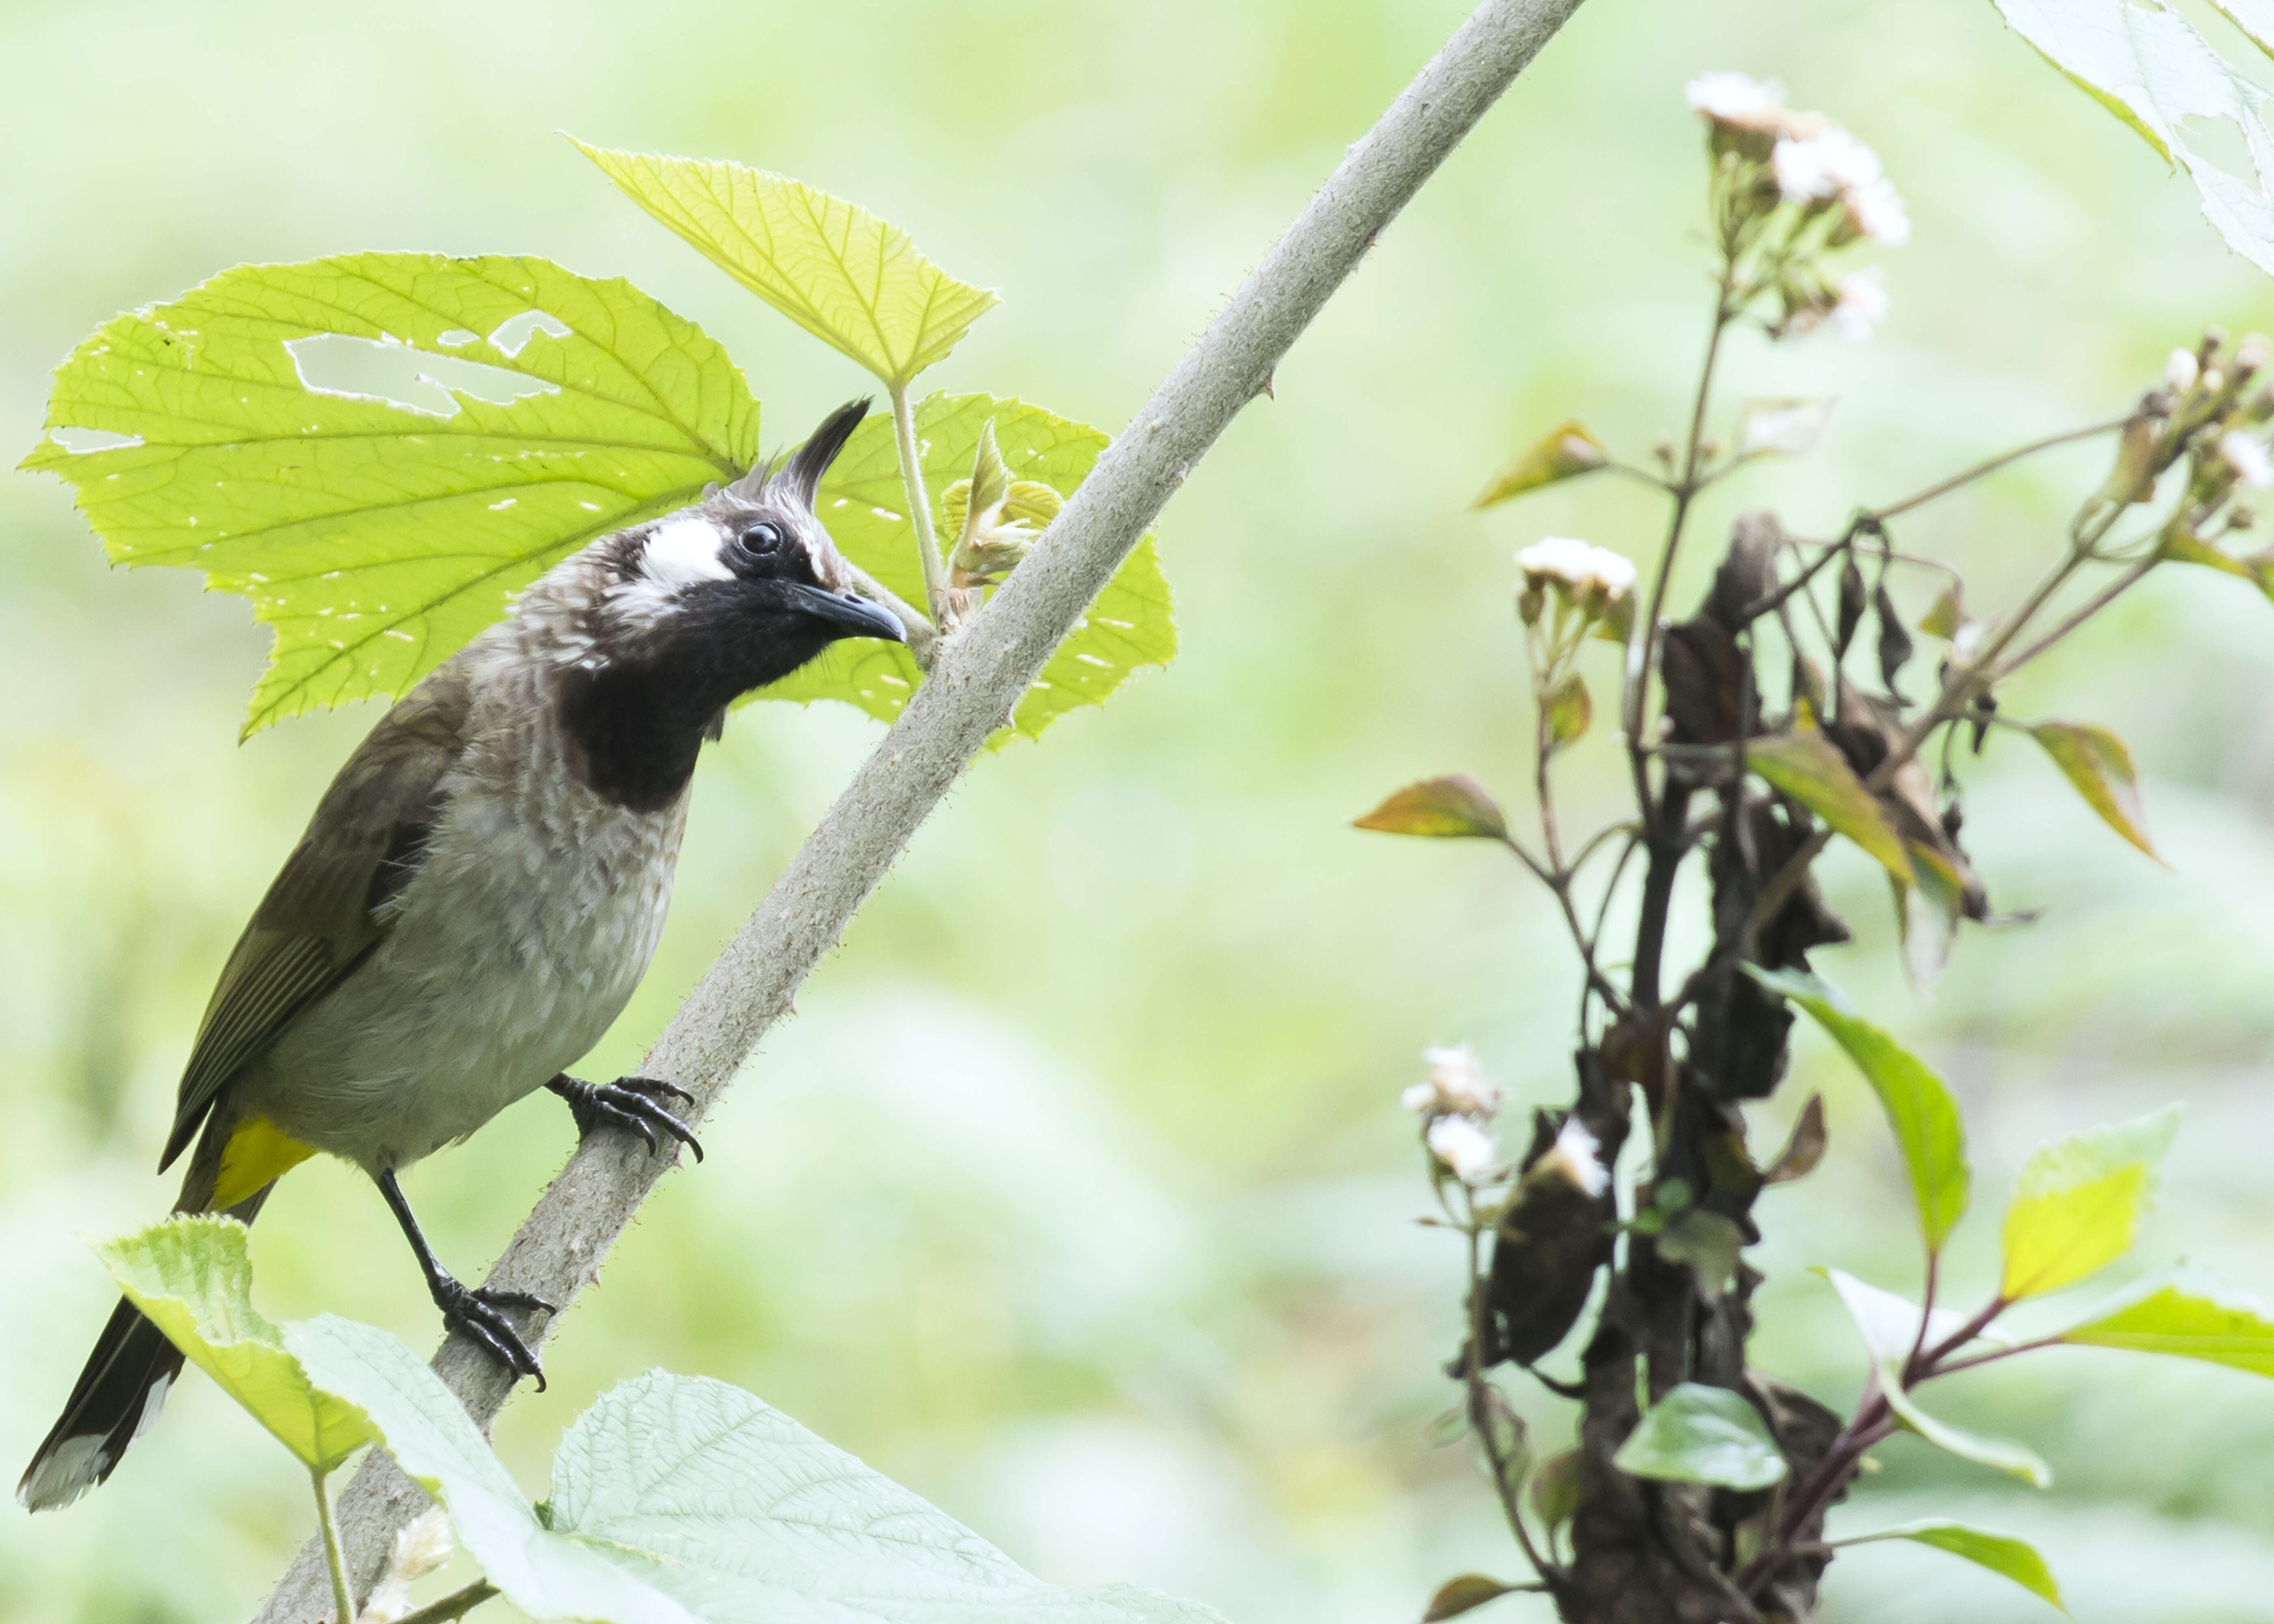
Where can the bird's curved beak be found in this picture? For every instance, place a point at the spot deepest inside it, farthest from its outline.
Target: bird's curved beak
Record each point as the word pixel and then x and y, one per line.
pixel 853 616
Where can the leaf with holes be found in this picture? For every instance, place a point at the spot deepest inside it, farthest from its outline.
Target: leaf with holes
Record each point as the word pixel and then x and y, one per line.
pixel 2079 1201
pixel 2001 1553
pixel 191 1276
pixel 2099 764
pixel 2145 63
pixel 846 277
pixel 378 449
pixel 1918 1103
pixel 861 501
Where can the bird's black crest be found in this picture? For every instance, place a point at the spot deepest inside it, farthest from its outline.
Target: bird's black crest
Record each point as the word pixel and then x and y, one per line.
pixel 801 474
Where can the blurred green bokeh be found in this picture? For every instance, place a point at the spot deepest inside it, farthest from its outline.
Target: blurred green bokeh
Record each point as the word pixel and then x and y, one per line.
pixel 1077 1196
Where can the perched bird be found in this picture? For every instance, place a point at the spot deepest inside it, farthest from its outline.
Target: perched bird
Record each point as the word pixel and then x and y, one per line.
pixel 479 894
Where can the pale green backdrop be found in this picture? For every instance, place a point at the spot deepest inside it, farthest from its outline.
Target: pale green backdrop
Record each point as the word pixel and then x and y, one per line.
pixel 1077 1196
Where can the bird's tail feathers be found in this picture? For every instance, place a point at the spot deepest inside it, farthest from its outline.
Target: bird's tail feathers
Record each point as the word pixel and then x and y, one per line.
pixel 126 1379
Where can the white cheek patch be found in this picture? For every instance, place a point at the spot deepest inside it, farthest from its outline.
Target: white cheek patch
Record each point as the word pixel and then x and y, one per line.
pixel 678 554
pixel 684 553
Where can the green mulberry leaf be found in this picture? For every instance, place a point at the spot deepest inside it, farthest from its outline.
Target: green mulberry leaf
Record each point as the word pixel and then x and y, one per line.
pixel 851 280
pixel 862 503
pixel 378 449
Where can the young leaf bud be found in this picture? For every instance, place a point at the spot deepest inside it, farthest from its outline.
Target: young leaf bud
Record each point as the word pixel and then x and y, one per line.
pixel 995 518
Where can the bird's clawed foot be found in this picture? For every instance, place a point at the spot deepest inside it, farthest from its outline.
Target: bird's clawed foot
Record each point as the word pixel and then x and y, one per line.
pixel 479 1312
pixel 633 1103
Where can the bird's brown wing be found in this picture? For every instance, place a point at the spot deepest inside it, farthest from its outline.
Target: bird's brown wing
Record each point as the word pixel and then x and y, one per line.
pixel 328 908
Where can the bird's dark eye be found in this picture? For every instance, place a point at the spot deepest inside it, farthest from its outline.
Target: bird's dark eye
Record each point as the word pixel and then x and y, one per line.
pixel 761 539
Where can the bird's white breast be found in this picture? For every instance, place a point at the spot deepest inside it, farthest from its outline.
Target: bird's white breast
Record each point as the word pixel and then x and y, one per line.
pixel 517 942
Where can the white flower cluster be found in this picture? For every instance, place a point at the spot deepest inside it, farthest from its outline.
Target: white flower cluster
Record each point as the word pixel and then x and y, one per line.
pixel 1457 1087
pixel 1832 165
pixel 2205 388
pixel 1595 581
pixel 1815 161
pixel 1772 157
pixel 1576 566
pixel 1457 1102
pixel 1740 102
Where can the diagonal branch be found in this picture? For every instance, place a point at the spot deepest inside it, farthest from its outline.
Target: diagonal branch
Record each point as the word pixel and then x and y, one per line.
pixel 977 675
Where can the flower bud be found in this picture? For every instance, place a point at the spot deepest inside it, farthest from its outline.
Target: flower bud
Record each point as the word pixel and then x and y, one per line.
pixel 2181 371
pixel 1743 116
pixel 1594 581
pixel 1463 1149
pixel 1457 1087
pixel 2247 458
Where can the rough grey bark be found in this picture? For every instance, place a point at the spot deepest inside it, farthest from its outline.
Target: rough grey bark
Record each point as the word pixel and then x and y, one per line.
pixel 977 675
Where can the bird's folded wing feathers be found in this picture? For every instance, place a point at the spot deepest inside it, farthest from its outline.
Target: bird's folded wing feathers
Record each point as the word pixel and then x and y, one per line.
pixel 328 908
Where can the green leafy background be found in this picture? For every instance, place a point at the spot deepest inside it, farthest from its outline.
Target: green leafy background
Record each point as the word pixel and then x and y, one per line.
pixel 1077 1199
pixel 471 422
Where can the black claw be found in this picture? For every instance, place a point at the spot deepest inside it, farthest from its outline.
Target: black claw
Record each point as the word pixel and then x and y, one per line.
pixel 498 1298
pixel 480 1314
pixel 629 1102
pixel 654 1086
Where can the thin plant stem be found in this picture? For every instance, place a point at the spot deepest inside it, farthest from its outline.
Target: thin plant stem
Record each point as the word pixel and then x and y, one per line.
pixel 1873 1421
pixel 1873 518
pixel 1966 476
pixel 1560 874
pixel 1684 491
pixel 1479 1402
pixel 456 1604
pixel 1929 1362
pixel 911 482
pixel 2077 617
pixel 1666 849
pixel 1965 680
pixel 1926 1306
pixel 342 1595
pixel 1991 1356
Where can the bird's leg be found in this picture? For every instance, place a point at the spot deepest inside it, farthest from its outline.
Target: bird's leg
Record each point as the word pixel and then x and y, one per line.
pixel 633 1103
pixel 477 1311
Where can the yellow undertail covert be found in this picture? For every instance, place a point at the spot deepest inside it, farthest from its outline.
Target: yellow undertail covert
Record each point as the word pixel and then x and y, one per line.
pixel 257 1154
